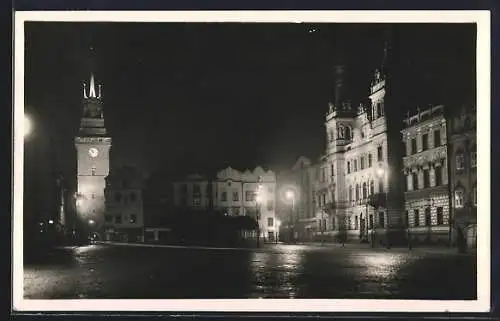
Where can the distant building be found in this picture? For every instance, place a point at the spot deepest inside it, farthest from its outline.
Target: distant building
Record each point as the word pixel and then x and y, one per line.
pixel 463 169
pixel 427 210
pixel 233 193
pixel 124 218
pixel 301 178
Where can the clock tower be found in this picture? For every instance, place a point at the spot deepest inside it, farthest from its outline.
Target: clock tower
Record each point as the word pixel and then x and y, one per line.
pixel 92 148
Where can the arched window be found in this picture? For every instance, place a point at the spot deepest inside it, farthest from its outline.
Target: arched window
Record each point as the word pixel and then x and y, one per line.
pixel 459 198
pixel 357 192
pixel 350 193
pixel 369 160
pixel 348 167
pixel 348 132
pixel 365 191
pixel 372 188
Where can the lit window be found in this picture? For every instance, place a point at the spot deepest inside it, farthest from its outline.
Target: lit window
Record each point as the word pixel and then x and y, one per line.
pixel 459 198
pixel 133 218
pixel 460 162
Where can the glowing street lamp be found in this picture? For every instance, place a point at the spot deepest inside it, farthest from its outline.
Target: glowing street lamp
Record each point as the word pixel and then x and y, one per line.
pixel 28 125
pixel 290 195
pixel 91 222
pixel 258 202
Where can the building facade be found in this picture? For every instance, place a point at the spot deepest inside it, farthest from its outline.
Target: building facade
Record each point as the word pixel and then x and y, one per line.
pixel 360 186
pixel 463 174
pixel 124 218
pixel 92 148
pixel 427 197
pixel 234 193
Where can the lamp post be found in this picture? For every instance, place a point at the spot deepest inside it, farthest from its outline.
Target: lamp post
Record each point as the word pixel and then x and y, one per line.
pixel 258 201
pixel 290 195
pixel 277 229
pixel 381 174
pixel 28 126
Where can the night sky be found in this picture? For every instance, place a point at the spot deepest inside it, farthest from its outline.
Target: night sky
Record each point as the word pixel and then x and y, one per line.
pixel 195 97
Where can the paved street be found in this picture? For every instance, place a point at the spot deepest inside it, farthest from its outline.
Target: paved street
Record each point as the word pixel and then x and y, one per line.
pixel 277 271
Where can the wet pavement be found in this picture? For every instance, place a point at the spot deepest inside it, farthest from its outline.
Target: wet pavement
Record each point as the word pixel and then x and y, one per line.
pixel 277 271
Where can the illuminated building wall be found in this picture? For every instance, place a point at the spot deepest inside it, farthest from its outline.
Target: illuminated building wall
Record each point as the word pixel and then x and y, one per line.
pixel 233 193
pixel 426 175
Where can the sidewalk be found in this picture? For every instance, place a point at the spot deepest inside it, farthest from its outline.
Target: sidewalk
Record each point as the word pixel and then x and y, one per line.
pixel 274 247
pixel 399 249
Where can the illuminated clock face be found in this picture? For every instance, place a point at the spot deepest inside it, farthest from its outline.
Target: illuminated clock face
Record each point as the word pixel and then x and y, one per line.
pixel 93 152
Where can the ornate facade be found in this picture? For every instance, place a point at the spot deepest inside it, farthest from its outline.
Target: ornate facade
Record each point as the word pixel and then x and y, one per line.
pixel 427 210
pixel 360 166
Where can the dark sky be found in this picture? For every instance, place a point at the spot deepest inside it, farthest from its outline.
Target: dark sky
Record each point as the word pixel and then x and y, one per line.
pixel 188 96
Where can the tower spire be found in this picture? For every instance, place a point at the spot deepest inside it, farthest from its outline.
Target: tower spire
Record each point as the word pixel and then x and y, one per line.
pixel 92 87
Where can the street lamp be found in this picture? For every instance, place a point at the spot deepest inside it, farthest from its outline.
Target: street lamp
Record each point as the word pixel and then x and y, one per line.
pixel 290 195
pixel 258 202
pixel 381 174
pixel 28 125
pixel 278 224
